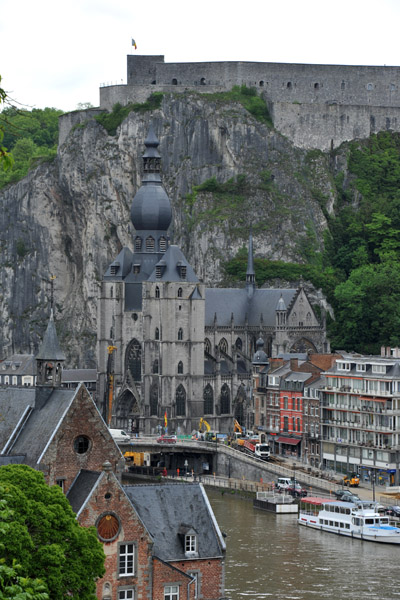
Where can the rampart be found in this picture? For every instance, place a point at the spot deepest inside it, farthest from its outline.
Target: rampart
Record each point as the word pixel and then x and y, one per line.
pixel 316 106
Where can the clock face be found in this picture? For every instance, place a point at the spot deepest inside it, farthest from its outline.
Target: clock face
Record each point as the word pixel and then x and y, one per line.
pixel 108 527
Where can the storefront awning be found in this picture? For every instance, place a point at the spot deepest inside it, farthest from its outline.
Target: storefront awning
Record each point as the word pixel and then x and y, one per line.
pixel 291 441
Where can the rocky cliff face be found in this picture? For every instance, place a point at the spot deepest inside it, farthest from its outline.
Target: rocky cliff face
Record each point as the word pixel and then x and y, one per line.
pixel 71 217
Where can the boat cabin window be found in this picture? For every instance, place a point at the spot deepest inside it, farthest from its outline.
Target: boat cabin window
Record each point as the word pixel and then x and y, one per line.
pixel 369 521
pixel 384 521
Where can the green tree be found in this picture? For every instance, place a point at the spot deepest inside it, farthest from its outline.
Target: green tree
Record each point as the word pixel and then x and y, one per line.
pixel 367 309
pixel 5 158
pixel 13 586
pixel 44 537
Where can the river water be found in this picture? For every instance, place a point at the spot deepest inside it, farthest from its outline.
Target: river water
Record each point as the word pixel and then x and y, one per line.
pixel 271 556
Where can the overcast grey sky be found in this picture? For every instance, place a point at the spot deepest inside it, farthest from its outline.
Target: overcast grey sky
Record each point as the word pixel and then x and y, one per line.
pixel 57 54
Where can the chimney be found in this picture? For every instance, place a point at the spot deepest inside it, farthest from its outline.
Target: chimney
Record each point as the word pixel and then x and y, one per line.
pixel 294 364
pixel 382 351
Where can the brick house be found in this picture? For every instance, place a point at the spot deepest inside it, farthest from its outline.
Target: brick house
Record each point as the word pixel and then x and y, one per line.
pixel 60 432
pixel 161 540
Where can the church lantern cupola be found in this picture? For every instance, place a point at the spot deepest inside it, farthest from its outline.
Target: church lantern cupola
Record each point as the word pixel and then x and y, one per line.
pixel 50 358
pixel 151 212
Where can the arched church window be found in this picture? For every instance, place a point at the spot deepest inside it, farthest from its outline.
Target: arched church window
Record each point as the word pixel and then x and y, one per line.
pixel 208 397
pixel 180 367
pixel 157 292
pixel 155 366
pixel 180 292
pixel 138 244
pixel 223 346
pixel 154 399
pixel 157 334
pixel 225 400
pixel 150 244
pixel 294 317
pixel 180 334
pixel 134 360
pixel 180 401
pixel 239 344
pixel 308 317
pixel 162 244
pixel 207 346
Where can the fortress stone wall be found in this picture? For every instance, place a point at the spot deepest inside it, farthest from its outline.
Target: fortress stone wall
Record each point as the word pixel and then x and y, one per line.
pixel 316 106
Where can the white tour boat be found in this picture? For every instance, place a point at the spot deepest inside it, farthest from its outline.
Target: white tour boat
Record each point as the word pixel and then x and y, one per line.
pixel 360 520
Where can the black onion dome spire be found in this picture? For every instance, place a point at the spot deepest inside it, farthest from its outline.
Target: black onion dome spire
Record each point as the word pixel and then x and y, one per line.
pixel 151 208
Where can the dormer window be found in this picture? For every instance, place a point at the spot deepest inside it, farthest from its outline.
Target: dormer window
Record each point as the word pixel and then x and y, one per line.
pixel 162 244
pixel 138 244
pixel 158 272
pixel 136 269
pixel 190 544
pixel 150 244
pixel 183 272
pixel 114 268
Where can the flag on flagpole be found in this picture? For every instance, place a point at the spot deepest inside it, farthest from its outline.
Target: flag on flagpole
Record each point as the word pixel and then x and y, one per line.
pixel 134 44
pixel 165 419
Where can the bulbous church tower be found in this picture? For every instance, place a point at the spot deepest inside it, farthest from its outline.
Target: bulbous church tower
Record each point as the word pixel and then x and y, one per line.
pixel 150 340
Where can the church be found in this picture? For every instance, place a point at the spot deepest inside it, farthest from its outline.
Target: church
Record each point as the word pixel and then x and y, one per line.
pixel 170 350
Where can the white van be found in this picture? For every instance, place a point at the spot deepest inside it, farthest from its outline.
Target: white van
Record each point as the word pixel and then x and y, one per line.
pixel 119 436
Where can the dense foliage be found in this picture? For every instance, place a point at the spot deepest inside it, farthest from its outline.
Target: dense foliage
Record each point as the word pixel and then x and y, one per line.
pixel 5 158
pixel 248 98
pixel 359 270
pixel 111 121
pixel 41 538
pixel 30 137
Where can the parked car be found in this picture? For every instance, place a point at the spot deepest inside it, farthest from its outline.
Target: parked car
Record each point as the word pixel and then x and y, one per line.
pixel 296 490
pixel 392 511
pixel 167 439
pixel 340 494
pixel 285 484
pixel 350 498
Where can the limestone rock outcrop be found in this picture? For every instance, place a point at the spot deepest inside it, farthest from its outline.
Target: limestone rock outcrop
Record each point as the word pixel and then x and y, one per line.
pixel 70 218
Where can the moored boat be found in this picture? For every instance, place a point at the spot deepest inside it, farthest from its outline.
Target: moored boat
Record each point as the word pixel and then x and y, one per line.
pixel 360 520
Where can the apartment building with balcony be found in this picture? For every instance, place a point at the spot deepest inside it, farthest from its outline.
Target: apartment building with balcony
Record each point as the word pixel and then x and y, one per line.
pixel 360 404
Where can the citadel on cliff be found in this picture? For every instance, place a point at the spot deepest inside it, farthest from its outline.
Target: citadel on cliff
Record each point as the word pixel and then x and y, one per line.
pixel 73 218
pixel 316 106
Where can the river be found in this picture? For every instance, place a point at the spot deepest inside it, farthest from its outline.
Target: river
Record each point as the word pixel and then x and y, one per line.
pixel 271 556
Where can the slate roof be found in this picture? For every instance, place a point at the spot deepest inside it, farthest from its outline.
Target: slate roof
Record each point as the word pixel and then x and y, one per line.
pixel 30 417
pixel 227 302
pixel 50 347
pixel 167 508
pixel 18 364
pixel 171 261
pixel 82 487
pixel 77 375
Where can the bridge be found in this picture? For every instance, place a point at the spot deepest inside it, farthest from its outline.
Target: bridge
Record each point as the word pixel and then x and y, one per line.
pixel 209 458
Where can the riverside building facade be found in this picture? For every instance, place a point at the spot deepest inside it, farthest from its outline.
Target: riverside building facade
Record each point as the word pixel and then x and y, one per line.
pixel 360 404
